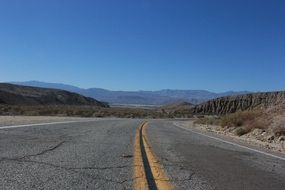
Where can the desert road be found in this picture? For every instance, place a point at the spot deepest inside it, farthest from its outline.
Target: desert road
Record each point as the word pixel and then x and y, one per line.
pixel 130 154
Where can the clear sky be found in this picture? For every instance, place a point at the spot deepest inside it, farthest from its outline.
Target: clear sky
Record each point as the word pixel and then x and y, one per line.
pixel 215 45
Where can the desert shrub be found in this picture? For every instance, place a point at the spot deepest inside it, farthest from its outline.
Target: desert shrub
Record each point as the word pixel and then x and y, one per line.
pixel 31 113
pixel 232 120
pixel 85 111
pixel 239 131
pixel 258 123
pixel 278 126
pixel 46 112
pixel 239 118
pixel 208 121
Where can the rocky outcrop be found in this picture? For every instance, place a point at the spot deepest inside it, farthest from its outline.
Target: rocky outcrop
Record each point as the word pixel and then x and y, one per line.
pixel 231 104
pixel 23 95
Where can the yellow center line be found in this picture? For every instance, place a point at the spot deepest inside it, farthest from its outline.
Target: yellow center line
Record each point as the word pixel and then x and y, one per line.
pixel 140 181
pixel 148 173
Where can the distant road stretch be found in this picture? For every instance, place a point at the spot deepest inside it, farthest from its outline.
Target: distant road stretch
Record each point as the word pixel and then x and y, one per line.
pixel 130 154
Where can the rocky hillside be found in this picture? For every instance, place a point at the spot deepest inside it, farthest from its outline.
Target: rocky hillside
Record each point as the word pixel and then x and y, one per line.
pixel 11 94
pixel 231 104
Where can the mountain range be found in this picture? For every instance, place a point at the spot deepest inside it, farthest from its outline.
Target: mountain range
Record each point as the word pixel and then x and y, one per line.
pixel 160 97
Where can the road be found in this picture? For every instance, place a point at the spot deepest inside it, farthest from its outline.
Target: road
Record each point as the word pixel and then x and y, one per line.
pixel 128 154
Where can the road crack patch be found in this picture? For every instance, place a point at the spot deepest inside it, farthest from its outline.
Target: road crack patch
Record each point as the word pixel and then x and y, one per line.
pixel 36 154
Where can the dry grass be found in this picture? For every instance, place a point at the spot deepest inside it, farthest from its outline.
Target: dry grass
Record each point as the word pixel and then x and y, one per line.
pixel 245 118
pixel 271 120
pixel 239 131
pixel 88 111
pixel 278 125
pixel 209 120
pixel 242 122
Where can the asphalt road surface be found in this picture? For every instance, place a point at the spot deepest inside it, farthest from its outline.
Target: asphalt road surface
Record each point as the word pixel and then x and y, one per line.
pixel 100 155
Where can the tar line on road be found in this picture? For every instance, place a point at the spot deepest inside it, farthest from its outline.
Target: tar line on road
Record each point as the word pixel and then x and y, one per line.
pixel 148 173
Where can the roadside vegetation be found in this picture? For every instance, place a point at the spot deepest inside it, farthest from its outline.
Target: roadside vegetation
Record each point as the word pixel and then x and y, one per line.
pixel 265 127
pixel 243 122
pixel 90 111
pixel 208 120
pixel 240 122
pixel 278 126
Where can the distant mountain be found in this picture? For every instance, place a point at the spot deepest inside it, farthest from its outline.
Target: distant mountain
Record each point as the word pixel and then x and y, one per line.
pixel 49 85
pixel 11 94
pixel 161 97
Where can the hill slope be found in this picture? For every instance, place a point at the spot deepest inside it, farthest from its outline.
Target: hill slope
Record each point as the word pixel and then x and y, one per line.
pixel 11 94
pixel 231 104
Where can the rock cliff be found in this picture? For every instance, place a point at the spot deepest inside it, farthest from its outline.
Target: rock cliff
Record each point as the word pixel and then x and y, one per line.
pixel 231 104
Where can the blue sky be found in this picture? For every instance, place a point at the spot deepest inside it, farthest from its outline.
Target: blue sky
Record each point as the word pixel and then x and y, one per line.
pixel 215 45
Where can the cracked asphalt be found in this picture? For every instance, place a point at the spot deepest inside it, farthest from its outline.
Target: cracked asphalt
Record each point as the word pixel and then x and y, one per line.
pixel 99 155
pixel 199 163
pixel 83 155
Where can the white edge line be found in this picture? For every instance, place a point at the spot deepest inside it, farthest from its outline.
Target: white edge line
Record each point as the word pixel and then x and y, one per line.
pixel 231 143
pixel 39 124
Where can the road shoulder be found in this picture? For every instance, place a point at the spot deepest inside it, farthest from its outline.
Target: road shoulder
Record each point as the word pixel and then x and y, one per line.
pixel 247 143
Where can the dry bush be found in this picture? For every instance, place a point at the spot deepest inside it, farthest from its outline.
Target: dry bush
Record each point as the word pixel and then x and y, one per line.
pixel 240 119
pixel 87 111
pixel 241 131
pixel 246 121
pixel 260 122
pixel 278 125
pixel 208 121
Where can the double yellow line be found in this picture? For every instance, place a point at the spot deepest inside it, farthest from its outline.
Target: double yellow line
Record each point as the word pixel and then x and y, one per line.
pixel 148 174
